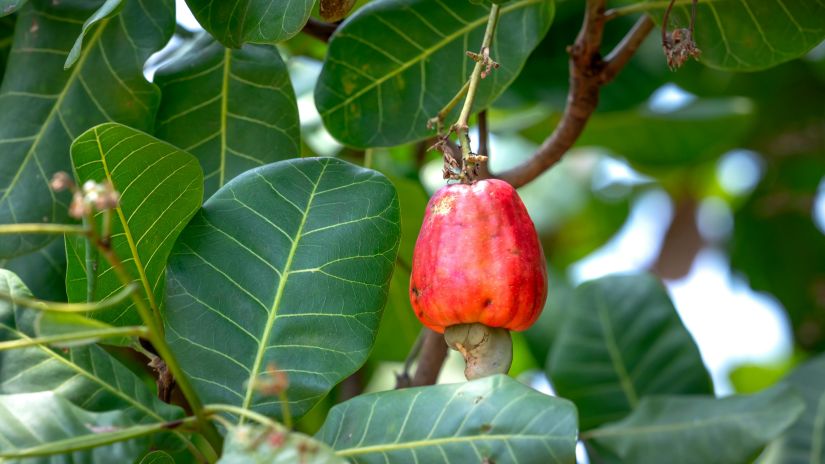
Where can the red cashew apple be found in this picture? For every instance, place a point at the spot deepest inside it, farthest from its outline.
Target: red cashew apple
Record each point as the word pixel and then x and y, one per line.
pixel 478 272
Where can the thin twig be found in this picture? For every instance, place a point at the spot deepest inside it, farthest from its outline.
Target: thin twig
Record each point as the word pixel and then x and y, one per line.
pixel 319 29
pixel 588 72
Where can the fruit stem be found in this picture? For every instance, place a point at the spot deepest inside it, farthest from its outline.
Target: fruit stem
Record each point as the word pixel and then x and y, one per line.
pixel 486 350
pixel 469 161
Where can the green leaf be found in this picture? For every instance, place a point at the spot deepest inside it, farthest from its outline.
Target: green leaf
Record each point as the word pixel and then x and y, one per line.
pixel 290 263
pixel 399 326
pixel 749 35
pixel 157 457
pixel 235 22
pixel 160 188
pixel 700 131
pixel 371 95
pixel 233 109
pixel 804 442
pixel 50 324
pixel 109 9
pixel 690 429
pixel 480 421
pixel 43 108
pixel 259 445
pixel 622 341
pixel 6 36
pixel 87 376
pixel 43 271
pixel 8 7
pixel 42 424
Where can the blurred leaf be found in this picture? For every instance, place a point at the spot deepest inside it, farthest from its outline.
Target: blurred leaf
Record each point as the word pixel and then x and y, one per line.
pixel 42 424
pixel 108 9
pixel 753 377
pixel 87 376
pixel 53 323
pixel 259 445
pixel 160 190
pixel 8 7
pixel 291 264
pixel 43 107
pixel 233 109
pixel 750 35
pixel 399 327
pixel 371 95
pixel 43 271
pixel 622 341
pixel 802 443
pixel 157 457
pixel 691 429
pixel 699 131
pixel 541 335
pixel 793 268
pixel 479 421
pixel 236 22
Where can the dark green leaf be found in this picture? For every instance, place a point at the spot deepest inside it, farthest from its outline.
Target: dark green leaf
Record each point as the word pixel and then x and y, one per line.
pixel 38 424
pixel 6 36
pixel 804 442
pixel 43 271
pixel 480 421
pixel 157 457
pixel 749 35
pixel 370 94
pixel 696 430
pixel 8 7
pixel 43 107
pixel 235 22
pixel 87 376
pixel 290 263
pixel 622 341
pixel 258 445
pixel 160 188
pixel 544 332
pixel 233 109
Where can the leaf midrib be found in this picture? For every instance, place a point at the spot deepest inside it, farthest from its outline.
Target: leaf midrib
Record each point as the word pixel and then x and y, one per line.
pixel 74 74
pixel 270 321
pixel 427 52
pixel 227 57
pixel 127 232
pixel 444 441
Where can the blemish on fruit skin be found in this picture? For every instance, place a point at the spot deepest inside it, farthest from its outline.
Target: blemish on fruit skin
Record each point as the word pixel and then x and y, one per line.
pixel 443 206
pixel 488 302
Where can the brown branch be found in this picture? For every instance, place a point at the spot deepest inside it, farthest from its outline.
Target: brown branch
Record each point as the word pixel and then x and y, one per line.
pixel 433 352
pixel 588 72
pixel 319 29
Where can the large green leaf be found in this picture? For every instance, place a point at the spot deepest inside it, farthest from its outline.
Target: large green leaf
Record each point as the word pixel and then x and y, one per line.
pixel 494 419
pixel 106 11
pixel 370 94
pixel 622 341
pixel 87 376
pixel 290 264
pixel 696 430
pixel 235 22
pixel 160 188
pixel 233 109
pixel 804 442
pixel 43 271
pixel 748 35
pixel 32 420
pixel 43 108
pixel 259 445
